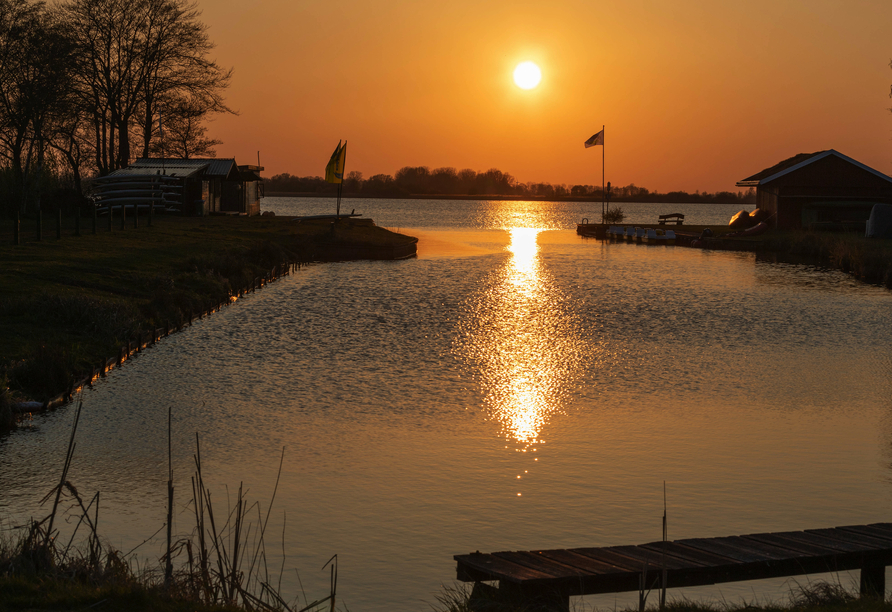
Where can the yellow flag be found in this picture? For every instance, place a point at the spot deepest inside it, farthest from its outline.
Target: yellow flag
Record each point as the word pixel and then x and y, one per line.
pixel 334 171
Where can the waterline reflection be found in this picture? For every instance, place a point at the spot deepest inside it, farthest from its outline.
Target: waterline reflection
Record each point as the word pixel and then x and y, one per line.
pixel 519 340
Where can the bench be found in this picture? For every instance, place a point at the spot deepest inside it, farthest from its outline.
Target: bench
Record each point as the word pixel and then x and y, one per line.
pixel 551 577
pixel 676 218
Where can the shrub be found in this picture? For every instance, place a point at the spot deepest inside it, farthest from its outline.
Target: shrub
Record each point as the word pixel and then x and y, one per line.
pixel 614 215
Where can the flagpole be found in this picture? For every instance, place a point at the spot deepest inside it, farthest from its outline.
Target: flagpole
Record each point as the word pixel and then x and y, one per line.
pixel 603 156
pixel 343 177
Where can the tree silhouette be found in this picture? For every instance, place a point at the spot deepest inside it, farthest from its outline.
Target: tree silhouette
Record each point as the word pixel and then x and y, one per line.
pixel 34 86
pixel 133 55
pixel 182 131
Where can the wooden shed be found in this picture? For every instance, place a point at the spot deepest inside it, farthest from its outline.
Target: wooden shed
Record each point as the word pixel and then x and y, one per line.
pixel 209 185
pixel 823 190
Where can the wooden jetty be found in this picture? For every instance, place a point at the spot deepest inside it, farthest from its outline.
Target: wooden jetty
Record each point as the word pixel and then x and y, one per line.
pixel 553 576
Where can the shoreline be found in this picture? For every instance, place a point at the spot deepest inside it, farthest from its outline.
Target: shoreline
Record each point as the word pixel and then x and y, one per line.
pixel 867 259
pixel 488 198
pixel 71 302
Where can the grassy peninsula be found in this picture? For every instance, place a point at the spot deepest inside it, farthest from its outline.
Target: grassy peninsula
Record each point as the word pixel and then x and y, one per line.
pixel 68 304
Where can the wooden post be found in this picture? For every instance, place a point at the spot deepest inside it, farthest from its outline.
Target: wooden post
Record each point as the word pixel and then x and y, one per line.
pixel 168 566
pixel 94 219
pixel 873 581
pixel 151 212
pixel 123 217
pixel 135 215
pixel 111 211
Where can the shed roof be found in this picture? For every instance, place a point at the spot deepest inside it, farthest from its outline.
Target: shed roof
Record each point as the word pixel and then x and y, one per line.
pixel 174 168
pixel 799 161
pixel 221 167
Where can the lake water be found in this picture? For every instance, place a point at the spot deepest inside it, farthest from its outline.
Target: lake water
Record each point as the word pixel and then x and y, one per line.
pixel 514 387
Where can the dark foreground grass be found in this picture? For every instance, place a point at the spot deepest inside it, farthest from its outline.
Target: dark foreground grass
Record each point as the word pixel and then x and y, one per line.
pixel 60 592
pixel 222 564
pixel 69 304
pixel 813 597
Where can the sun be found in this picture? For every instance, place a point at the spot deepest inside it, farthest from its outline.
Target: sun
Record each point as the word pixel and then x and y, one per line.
pixel 527 75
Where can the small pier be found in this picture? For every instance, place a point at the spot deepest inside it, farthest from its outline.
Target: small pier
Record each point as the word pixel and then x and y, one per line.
pixel 553 576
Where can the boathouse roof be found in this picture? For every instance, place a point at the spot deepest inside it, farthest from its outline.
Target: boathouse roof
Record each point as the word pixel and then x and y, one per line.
pixel 802 160
pixel 183 168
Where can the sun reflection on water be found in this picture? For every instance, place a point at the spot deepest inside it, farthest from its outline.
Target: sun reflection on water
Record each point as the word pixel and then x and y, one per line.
pixel 520 343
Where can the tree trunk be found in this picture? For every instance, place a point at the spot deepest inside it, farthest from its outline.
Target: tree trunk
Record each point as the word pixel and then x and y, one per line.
pixel 123 145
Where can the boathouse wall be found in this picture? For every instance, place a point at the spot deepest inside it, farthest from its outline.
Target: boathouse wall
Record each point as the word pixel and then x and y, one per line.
pixel 831 192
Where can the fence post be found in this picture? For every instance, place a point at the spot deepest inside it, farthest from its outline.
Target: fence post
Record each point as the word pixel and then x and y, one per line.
pixel 151 212
pixel 123 217
pixel 94 219
pixel 111 211
pixel 135 215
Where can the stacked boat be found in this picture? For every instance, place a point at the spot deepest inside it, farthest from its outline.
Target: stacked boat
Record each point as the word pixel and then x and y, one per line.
pixel 139 194
pixel 641 235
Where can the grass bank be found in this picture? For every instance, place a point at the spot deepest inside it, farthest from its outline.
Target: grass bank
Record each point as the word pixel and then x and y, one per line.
pixel 869 259
pixel 68 303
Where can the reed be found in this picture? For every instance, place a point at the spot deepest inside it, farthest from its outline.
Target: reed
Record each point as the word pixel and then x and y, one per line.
pixel 7 416
pixel 221 566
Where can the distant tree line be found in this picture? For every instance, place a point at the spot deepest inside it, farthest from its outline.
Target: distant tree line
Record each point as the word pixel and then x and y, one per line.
pixel 88 85
pixel 414 181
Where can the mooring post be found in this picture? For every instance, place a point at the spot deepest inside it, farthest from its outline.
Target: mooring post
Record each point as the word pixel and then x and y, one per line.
pixel 873 581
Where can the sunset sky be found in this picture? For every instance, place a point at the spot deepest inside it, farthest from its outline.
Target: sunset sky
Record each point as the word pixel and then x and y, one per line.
pixel 695 94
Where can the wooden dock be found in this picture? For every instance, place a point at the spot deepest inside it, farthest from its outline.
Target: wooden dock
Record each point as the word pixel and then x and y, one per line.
pixel 553 576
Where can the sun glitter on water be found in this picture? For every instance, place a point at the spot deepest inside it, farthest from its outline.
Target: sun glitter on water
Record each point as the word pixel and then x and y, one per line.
pixel 527 75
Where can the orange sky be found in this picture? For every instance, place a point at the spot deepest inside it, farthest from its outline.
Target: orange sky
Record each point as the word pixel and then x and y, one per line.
pixel 695 94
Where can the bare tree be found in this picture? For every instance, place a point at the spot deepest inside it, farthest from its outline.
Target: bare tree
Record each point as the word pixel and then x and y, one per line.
pixel 184 130
pixel 34 81
pixel 132 55
pixel 182 85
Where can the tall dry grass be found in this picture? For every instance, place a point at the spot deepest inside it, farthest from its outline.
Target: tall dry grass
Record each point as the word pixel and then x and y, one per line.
pixel 222 565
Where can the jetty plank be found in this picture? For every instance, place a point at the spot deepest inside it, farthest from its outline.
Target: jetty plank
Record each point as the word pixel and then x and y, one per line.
pixel 554 575
pixel 800 547
pixel 693 555
pixel 480 566
pixel 877 531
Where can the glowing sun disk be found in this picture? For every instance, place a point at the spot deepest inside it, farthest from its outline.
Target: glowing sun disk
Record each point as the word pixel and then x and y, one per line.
pixel 527 75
